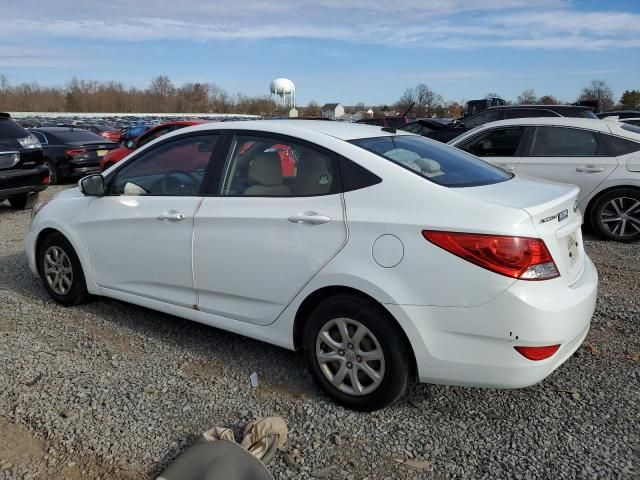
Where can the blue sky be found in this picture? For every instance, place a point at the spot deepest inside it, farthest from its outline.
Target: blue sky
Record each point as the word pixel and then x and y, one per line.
pixel 334 50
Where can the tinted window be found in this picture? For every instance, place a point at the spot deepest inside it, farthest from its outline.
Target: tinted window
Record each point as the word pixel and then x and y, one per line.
pixel 79 136
pixel 564 142
pixel 10 129
pixel 272 167
pixel 579 113
pixel 484 117
pixel 433 161
pixel 355 177
pixel 174 168
pixel 633 122
pixel 630 128
pixel 148 137
pixel 502 142
pixel 622 146
pixel 529 112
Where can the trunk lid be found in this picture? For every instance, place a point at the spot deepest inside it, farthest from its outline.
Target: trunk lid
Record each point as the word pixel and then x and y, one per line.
pixel 553 210
pixel 91 151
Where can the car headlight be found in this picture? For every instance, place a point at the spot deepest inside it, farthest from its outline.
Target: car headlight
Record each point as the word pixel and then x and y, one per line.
pixel 29 142
pixel 37 207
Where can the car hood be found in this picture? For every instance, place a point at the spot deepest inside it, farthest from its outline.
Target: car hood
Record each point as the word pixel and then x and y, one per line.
pixel 68 193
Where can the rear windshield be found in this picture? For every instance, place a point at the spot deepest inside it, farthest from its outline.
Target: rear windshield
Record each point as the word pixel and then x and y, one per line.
pixel 79 136
pixel 438 163
pixel 10 129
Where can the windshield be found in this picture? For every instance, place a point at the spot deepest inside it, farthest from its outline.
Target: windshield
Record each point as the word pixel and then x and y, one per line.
pixel 630 128
pixel 436 162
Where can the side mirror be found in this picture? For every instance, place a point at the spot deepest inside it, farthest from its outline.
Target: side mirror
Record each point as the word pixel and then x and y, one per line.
pixel 130 144
pixel 93 185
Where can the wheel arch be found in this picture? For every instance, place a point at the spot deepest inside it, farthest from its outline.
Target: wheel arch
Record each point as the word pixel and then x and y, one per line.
pixel 593 200
pixel 316 297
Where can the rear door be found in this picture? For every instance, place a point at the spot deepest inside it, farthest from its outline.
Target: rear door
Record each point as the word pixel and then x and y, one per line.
pixel 269 229
pixel 500 146
pixel 568 155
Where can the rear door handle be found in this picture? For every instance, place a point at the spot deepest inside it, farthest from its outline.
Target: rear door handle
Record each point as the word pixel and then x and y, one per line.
pixel 309 217
pixel 589 169
pixel 172 216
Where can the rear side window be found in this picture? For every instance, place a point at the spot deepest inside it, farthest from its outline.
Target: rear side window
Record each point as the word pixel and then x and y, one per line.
pixel 564 142
pixel 355 177
pixel 436 162
pixel 500 142
pixel 10 129
pixel 621 146
pixel 484 117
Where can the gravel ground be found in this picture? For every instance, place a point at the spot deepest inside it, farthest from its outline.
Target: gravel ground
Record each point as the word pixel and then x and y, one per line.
pixel 111 390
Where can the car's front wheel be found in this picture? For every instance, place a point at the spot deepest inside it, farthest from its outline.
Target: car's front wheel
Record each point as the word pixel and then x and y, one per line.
pixel 616 215
pixel 61 270
pixel 356 353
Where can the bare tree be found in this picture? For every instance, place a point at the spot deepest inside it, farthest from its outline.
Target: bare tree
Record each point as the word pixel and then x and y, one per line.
pixel 548 100
pixel 313 109
pixel 426 100
pixel 527 97
pixel 598 90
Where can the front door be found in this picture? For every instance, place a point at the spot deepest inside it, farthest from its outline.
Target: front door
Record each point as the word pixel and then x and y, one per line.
pixel 569 155
pixel 139 235
pixel 499 146
pixel 270 230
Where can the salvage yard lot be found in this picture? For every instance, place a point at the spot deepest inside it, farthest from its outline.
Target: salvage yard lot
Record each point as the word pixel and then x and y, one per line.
pixel 112 390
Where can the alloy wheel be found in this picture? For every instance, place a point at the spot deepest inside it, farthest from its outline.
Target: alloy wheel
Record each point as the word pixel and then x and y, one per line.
pixel 620 216
pixel 58 270
pixel 350 356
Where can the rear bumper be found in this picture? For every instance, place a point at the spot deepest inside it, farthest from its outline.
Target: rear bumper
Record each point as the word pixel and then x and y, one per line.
pixel 19 181
pixel 473 346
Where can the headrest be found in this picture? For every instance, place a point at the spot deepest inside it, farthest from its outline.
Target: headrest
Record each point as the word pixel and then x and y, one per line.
pixel 266 169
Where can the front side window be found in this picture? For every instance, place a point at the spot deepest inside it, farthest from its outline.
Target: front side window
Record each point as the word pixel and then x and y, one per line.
pixel 501 142
pixel 150 136
pixel 484 117
pixel 564 142
pixel 434 161
pixel 272 167
pixel 173 168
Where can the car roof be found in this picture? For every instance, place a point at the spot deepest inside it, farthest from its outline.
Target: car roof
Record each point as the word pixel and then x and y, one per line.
pixel 538 107
pixel 589 123
pixel 339 130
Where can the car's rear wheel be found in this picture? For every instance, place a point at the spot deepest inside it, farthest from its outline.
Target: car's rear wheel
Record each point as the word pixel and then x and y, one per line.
pixel 54 173
pixel 616 215
pixel 24 201
pixel 61 270
pixel 356 353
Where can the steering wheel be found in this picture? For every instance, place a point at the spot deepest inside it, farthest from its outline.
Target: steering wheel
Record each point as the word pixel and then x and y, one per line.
pixel 170 183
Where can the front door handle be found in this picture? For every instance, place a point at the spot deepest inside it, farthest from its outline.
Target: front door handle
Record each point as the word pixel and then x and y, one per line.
pixel 589 169
pixel 171 216
pixel 309 217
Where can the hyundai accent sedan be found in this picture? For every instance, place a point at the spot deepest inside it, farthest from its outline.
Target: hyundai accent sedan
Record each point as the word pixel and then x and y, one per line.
pixel 385 256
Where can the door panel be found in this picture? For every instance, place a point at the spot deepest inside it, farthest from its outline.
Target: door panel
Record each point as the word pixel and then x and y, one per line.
pixel 135 252
pixel 568 155
pixel 250 259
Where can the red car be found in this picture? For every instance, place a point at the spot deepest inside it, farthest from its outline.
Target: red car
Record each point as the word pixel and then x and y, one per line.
pixel 108 133
pixel 114 156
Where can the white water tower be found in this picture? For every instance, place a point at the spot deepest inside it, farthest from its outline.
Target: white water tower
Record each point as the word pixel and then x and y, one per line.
pixel 284 92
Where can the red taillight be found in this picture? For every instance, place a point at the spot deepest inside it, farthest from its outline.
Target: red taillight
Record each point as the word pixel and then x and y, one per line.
pixel 516 257
pixel 45 180
pixel 75 151
pixel 537 353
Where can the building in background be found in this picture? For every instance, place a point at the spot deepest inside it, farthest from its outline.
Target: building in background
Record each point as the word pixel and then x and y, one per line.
pixel 332 110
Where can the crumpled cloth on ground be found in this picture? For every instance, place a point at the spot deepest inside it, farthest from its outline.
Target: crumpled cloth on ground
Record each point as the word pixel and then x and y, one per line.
pixel 216 456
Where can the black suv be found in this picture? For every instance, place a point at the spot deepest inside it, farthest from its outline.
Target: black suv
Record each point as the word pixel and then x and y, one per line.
pixel 22 170
pixel 458 127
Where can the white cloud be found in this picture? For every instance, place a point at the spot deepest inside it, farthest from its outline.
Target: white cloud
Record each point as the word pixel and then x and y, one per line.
pixel 452 24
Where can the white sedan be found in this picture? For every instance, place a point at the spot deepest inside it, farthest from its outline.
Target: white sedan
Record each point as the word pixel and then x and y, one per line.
pixel 381 254
pixel 601 157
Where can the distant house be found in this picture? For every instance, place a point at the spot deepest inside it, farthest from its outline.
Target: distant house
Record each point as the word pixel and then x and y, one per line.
pixel 332 110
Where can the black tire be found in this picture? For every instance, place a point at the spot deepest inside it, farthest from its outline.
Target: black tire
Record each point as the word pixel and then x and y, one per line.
pixel 24 201
pixel 54 173
pixel 77 292
pixel 603 209
pixel 397 358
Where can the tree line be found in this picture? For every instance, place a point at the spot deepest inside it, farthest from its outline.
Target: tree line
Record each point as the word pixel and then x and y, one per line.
pixel 162 96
